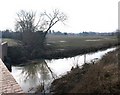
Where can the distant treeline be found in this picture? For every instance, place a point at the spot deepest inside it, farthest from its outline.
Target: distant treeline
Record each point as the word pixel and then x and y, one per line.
pixel 11 34
pixel 84 33
pixel 99 34
pixel 17 35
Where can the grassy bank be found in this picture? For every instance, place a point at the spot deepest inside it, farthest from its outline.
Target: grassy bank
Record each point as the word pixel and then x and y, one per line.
pixel 71 42
pixel 55 54
pixel 12 42
pixel 69 46
pixel 101 77
pixel 62 46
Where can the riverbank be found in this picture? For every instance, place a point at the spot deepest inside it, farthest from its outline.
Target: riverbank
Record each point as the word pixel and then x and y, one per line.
pixel 20 56
pixel 71 52
pixel 69 46
pixel 60 47
pixel 47 70
pixel 101 77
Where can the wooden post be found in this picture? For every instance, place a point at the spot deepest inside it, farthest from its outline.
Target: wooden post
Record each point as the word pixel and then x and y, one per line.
pixel 84 58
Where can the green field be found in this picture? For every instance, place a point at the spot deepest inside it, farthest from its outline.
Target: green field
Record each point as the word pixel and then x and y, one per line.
pixel 11 42
pixel 67 42
pixel 62 46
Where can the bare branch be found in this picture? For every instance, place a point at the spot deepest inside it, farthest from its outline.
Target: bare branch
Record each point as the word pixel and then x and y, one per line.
pixel 54 18
pixel 46 21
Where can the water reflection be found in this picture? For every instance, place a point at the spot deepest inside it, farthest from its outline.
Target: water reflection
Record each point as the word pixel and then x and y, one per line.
pixel 36 69
pixel 33 74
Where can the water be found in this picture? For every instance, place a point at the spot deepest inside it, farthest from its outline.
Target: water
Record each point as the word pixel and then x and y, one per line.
pixel 34 73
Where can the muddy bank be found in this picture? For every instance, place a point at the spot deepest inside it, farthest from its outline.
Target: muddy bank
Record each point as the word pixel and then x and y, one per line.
pixel 21 55
pixel 101 77
pixel 56 54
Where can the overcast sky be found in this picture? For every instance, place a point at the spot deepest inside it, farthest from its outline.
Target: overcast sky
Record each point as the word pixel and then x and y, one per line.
pixel 83 15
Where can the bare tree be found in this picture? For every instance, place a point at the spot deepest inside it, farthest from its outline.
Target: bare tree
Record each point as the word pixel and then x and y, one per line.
pixel 50 19
pixel 34 31
pixel 26 21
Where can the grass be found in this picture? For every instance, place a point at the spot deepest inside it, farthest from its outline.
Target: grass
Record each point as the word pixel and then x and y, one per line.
pixel 69 46
pixel 102 77
pixel 70 42
pixel 11 42
pixel 62 46
pixel 67 42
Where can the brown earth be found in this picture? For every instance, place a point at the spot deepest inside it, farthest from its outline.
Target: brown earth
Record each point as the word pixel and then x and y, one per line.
pixel 102 77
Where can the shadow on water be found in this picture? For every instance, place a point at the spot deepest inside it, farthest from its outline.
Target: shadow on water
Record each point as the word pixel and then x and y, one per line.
pixel 36 74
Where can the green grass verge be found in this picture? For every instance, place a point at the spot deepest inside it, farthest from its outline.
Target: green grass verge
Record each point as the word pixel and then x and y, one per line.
pixel 70 42
pixel 12 42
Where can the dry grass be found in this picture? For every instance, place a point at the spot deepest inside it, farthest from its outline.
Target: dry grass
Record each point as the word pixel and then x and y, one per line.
pixel 80 41
pixel 101 77
pixel 98 79
pixel 12 42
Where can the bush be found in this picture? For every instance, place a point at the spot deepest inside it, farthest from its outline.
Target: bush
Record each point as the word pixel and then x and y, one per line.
pixel 17 54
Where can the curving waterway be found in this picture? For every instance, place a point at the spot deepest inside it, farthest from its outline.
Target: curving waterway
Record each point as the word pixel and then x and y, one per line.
pixel 36 72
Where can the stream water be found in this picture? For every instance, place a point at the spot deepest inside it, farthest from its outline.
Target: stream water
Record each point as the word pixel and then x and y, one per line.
pixel 34 73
